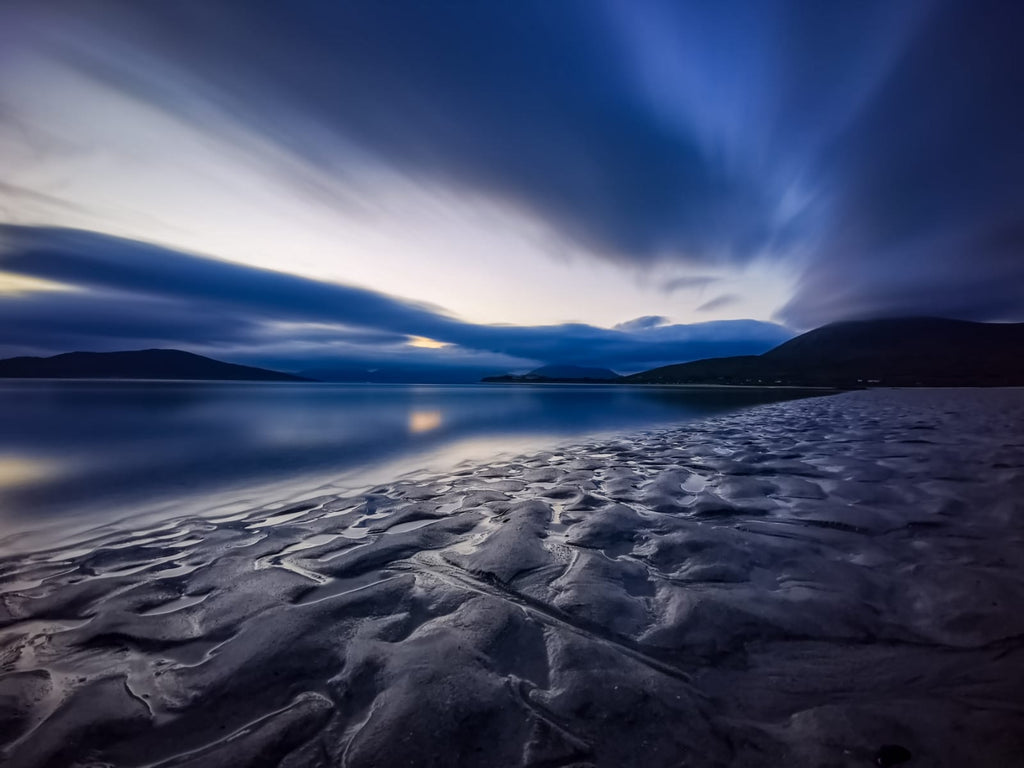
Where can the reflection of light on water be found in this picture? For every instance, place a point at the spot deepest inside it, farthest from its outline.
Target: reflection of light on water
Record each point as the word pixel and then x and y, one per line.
pixel 424 421
pixel 18 470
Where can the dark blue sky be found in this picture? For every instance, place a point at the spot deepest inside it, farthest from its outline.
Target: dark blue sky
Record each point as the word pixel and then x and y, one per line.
pixel 519 181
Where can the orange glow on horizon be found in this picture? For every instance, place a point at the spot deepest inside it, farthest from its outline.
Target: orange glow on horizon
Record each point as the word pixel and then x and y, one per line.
pixel 12 284
pixel 424 343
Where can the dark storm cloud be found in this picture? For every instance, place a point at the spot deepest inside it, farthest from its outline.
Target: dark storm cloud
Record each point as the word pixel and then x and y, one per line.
pixel 533 103
pixel 133 294
pixel 872 147
pixel 928 181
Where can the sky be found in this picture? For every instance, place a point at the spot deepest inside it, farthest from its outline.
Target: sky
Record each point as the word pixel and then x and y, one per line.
pixel 491 186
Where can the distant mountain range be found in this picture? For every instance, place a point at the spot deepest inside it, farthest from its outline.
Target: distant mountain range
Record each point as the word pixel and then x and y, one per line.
pixel 397 373
pixel 906 352
pixel 144 364
pixel 563 374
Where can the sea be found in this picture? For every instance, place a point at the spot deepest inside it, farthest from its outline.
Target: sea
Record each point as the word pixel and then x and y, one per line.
pixel 77 453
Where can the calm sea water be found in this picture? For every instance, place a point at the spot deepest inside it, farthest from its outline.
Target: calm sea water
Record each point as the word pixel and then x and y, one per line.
pixel 76 450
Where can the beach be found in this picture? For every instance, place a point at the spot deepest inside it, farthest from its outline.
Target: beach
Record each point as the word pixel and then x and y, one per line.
pixel 820 582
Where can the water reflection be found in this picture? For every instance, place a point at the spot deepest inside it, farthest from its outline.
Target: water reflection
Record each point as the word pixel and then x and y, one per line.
pixel 23 470
pixel 424 421
pixel 68 448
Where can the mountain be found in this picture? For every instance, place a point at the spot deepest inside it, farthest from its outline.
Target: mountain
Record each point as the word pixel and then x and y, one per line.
pixel 143 364
pixel 902 352
pixel 573 372
pixel 564 374
pixel 377 373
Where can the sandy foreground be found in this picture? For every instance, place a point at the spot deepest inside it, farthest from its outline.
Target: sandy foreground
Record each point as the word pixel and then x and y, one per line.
pixel 798 584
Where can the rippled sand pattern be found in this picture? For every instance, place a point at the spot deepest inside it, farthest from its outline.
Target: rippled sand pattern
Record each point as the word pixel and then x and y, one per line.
pixel 794 585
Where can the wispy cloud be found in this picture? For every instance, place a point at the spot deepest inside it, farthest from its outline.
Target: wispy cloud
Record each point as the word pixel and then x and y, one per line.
pixel 698 282
pixel 719 302
pixel 870 148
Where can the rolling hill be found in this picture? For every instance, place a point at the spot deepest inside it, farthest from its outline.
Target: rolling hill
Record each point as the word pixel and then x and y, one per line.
pixel 142 364
pixel 904 352
pixel 560 374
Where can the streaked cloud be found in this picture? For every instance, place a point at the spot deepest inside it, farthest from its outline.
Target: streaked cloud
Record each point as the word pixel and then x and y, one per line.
pixel 719 302
pixel 530 162
pixel 697 282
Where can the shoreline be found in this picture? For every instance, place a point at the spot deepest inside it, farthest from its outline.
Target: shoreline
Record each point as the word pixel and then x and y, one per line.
pixel 649 385
pixel 797 583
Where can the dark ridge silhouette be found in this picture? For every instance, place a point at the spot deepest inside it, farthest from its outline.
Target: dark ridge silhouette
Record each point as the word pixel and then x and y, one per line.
pixel 574 371
pixel 397 373
pixel 904 352
pixel 143 364
pixel 562 374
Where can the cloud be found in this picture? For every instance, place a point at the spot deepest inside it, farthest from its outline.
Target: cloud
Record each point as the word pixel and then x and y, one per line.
pixel 521 103
pixel 642 323
pixel 682 283
pixel 718 302
pixel 870 148
pixel 131 294
pixel 926 179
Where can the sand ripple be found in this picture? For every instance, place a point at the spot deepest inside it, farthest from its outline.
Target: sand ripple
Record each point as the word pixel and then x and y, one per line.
pixel 798 584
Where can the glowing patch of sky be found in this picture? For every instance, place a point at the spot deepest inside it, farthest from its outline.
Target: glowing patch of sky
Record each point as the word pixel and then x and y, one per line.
pixel 16 285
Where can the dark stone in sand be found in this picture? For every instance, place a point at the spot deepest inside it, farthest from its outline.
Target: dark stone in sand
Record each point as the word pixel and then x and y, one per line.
pixel 892 754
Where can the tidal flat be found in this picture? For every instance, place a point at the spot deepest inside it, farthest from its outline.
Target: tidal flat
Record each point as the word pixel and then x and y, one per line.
pixel 807 583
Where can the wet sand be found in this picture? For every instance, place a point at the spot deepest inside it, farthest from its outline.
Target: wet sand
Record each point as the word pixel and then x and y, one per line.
pixel 798 584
